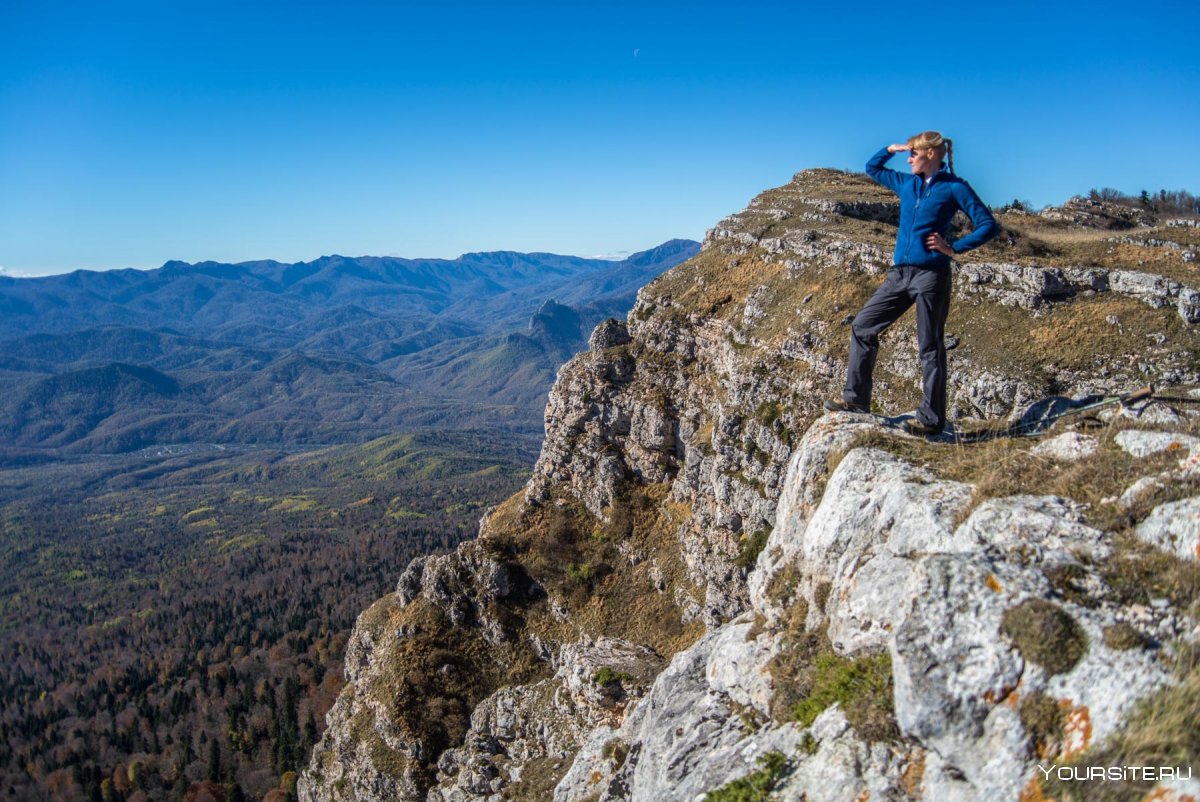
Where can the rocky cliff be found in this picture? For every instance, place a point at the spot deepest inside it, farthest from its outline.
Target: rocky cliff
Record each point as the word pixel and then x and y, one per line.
pixel 710 590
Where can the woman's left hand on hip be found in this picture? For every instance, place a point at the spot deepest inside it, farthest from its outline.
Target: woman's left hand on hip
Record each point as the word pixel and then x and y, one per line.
pixel 935 242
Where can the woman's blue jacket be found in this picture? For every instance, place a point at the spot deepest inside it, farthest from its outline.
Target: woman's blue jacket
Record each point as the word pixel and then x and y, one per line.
pixel 928 208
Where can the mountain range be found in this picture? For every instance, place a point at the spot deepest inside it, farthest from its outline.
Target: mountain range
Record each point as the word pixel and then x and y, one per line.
pixel 339 349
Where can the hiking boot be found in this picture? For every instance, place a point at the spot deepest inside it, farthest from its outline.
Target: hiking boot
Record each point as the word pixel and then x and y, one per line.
pixel 838 405
pixel 914 426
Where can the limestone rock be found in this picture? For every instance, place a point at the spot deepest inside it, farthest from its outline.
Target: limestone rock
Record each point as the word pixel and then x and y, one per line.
pixel 1068 446
pixel 1141 443
pixel 1140 490
pixel 952 668
pixel 464 584
pixel 1014 285
pixel 803 487
pixel 604 675
pixel 877 512
pixel 959 680
pixel 1087 213
pixel 609 334
pixel 1188 305
pixel 688 737
pixel 1174 528
pixel 508 729
pixel 1156 291
pixel 1036 531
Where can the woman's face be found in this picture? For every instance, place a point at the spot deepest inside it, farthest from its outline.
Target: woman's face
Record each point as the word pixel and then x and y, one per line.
pixel 924 161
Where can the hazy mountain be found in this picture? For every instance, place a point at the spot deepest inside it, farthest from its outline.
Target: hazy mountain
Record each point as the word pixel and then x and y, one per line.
pixel 212 298
pixel 334 350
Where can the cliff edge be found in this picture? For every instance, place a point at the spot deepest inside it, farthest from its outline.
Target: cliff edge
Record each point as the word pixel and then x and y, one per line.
pixel 708 590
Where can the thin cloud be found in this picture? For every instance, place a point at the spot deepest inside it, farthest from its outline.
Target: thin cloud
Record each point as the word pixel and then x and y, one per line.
pixel 4 271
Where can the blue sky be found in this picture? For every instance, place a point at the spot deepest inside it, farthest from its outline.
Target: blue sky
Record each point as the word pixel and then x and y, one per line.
pixel 132 133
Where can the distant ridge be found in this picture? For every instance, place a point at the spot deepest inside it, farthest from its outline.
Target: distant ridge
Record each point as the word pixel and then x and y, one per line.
pixel 339 349
pixel 213 296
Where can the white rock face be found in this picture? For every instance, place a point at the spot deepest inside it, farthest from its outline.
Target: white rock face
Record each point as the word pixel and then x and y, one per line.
pixel 1144 443
pixel 879 564
pixel 899 576
pixel 580 673
pixel 508 729
pixel 802 490
pixel 1037 531
pixel 737 666
pixel 877 513
pixel 952 669
pixel 1067 446
pixel 1174 528
pixel 689 737
pixel 1141 489
pixel 1014 285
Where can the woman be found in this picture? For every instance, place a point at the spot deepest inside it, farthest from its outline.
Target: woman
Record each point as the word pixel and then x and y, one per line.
pixel 920 273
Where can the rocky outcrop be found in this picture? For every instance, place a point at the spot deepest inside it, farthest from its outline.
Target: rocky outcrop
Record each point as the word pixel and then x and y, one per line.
pixel 609 334
pixel 464 585
pixel 881 566
pixel 595 682
pixel 1083 212
pixel 694 733
pixel 1033 287
pixel 835 610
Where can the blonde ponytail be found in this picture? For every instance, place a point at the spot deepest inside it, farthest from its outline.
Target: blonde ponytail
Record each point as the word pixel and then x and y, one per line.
pixel 933 139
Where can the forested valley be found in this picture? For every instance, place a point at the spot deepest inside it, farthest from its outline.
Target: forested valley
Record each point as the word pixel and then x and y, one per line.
pixel 183 552
pixel 173 624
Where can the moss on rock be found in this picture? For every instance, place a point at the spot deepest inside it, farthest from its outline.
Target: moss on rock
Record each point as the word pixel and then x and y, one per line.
pixel 1043 719
pixel 1122 637
pixel 1045 634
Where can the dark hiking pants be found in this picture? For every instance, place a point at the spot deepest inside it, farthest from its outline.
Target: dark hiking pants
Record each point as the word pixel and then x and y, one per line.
pixel 905 285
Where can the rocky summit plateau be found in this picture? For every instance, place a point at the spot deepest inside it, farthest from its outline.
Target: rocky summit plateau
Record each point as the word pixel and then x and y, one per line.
pixel 709 590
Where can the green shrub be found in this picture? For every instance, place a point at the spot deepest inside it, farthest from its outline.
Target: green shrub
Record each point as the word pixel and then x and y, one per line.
pixel 606 676
pixel 862 687
pixel 768 412
pixel 750 546
pixel 581 573
pixel 754 787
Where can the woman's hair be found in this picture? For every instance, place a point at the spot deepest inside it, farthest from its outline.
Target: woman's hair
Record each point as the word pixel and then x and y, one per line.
pixel 932 139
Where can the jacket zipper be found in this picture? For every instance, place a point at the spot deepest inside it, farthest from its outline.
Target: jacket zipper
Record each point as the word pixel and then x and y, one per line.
pixel 928 187
pixel 922 193
pixel 908 242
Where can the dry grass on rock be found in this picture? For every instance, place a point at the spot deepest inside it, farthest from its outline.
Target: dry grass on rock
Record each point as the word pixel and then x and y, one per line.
pixel 1161 732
